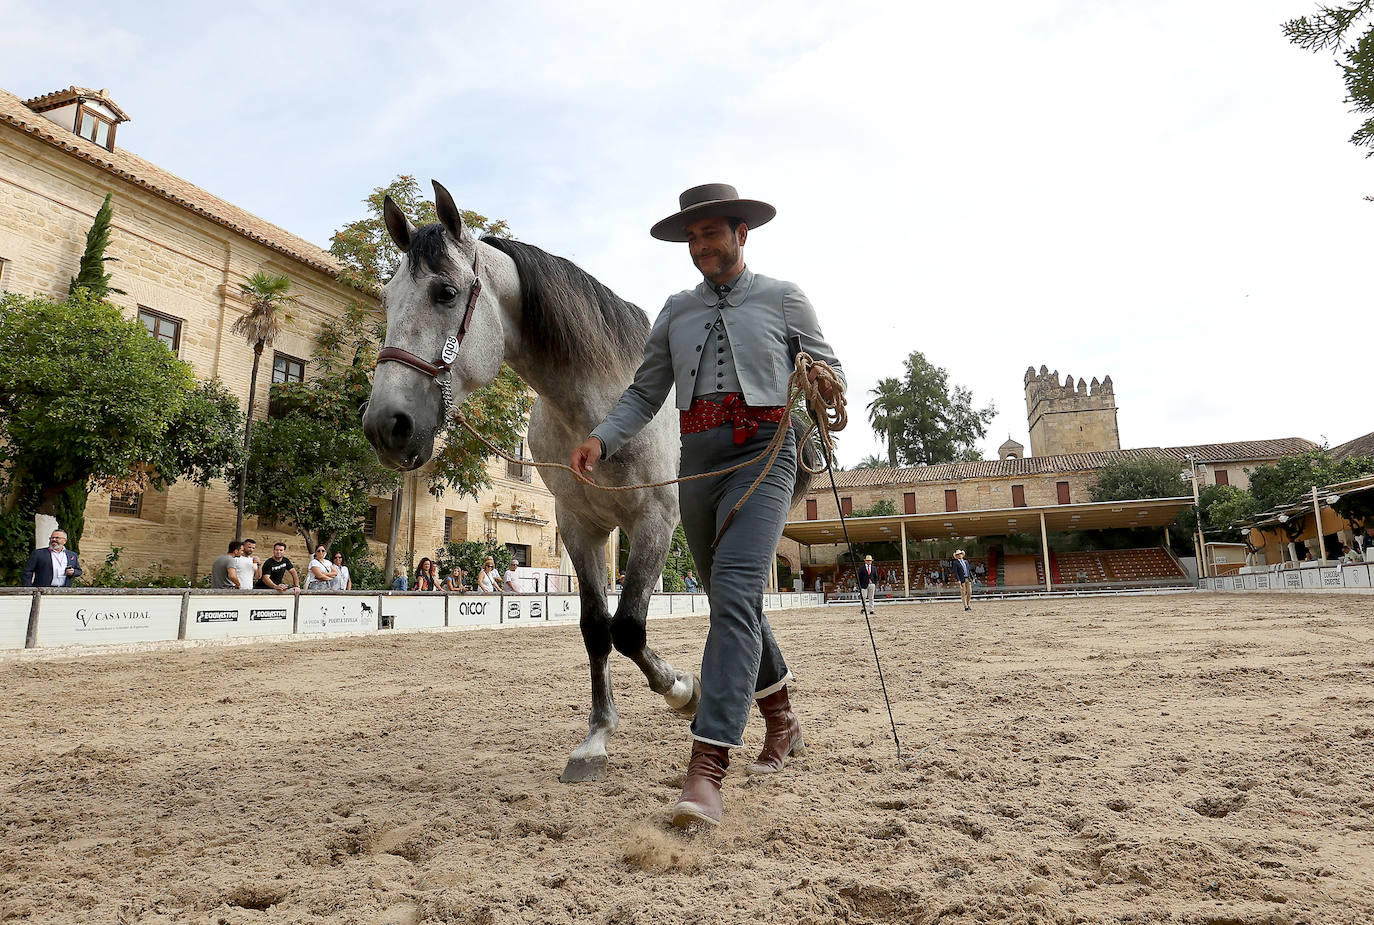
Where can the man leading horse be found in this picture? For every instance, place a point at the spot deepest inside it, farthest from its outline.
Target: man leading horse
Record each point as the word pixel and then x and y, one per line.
pixel 724 345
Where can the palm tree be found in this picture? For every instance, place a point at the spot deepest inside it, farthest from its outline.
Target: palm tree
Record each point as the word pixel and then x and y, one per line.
pixel 268 297
pixel 886 413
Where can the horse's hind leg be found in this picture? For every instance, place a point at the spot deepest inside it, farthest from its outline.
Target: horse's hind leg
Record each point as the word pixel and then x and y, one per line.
pixel 648 551
pixel 586 549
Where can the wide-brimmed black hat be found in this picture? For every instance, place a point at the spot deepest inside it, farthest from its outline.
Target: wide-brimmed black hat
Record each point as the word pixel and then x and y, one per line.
pixel 711 200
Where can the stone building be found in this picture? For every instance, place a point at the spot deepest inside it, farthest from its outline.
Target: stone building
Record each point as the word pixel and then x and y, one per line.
pixel 1057 415
pixel 181 254
pixel 1064 419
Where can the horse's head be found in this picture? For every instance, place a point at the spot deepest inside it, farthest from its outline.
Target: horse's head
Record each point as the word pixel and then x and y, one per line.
pixel 444 336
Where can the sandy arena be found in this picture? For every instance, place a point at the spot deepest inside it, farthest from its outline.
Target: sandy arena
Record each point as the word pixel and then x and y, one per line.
pixel 1190 758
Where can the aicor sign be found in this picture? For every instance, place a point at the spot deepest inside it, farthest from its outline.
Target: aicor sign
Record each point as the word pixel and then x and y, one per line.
pixel 98 618
pixel 472 608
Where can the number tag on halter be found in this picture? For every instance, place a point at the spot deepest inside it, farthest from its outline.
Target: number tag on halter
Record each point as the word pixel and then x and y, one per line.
pixel 450 351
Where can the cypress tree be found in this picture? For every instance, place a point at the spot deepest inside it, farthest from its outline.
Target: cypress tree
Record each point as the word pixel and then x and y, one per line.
pixel 92 275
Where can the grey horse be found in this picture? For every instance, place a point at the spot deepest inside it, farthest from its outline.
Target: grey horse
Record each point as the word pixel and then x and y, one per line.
pixel 456 309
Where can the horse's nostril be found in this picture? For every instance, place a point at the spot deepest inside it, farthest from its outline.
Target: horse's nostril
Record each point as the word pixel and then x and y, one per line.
pixel 401 429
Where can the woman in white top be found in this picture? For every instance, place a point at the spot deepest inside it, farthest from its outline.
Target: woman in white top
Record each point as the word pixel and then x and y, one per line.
pixel 322 572
pixel 488 582
pixel 343 581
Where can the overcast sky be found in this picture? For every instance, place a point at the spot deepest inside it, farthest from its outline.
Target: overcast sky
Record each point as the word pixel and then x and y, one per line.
pixel 1159 191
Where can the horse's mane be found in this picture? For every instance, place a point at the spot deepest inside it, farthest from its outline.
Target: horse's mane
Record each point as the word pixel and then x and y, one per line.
pixel 569 316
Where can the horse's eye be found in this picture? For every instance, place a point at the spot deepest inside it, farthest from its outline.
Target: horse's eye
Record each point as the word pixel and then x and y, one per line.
pixel 447 294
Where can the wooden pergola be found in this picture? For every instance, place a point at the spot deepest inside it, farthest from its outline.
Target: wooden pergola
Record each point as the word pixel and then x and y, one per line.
pixel 953 525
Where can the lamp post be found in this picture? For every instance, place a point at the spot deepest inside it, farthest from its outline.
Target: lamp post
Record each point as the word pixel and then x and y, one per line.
pixel 1199 543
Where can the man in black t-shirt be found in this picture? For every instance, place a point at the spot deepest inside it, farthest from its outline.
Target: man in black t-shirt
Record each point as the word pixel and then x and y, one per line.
pixel 278 574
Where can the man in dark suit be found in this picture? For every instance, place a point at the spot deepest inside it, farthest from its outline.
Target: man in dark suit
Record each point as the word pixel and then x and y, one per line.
pixel 868 582
pixel 53 566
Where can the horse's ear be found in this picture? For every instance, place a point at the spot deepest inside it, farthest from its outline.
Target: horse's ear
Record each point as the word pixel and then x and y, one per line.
pixel 397 225
pixel 449 215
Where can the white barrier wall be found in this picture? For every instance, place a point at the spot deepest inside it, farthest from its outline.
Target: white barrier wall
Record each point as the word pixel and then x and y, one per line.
pixel 101 617
pixel 82 620
pixel 1353 577
pixel 217 616
pixel 14 620
pixel 474 610
pixel 403 611
pixel 337 613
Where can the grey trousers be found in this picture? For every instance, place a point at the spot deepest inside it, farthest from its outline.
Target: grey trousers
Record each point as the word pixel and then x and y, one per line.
pixel 742 660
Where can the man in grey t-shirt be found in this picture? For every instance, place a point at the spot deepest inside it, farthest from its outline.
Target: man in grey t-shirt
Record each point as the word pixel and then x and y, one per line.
pixel 222 573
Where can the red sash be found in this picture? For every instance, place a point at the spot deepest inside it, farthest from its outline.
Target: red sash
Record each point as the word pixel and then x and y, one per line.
pixel 706 415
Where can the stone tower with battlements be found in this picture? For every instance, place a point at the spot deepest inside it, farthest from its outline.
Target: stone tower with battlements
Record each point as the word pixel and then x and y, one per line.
pixel 1070 417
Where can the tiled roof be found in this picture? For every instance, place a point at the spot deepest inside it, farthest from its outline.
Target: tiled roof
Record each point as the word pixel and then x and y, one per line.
pixel 62 97
pixel 160 182
pixel 1360 446
pixel 1070 462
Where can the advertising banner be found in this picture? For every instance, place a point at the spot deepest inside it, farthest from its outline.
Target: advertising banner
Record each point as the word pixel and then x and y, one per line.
pixel 523 609
pixel 660 605
pixel 1261 581
pixel 337 613
pixel 565 608
pixel 1292 579
pixel 413 611
pixel 79 620
pixel 14 620
pixel 772 602
pixel 1355 576
pixel 215 616
pixel 474 610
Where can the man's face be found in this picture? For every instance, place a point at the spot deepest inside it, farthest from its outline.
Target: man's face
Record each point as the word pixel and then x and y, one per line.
pixel 715 249
pixel 57 541
pixel 248 548
pixel 279 551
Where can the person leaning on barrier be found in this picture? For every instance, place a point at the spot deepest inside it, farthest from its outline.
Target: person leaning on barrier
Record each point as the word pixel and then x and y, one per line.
pixel 321 571
pixel 343 580
pixel 400 582
pixel 223 573
pixel 277 573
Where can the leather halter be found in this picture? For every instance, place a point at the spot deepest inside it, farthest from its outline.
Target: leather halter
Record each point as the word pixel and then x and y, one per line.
pixel 440 372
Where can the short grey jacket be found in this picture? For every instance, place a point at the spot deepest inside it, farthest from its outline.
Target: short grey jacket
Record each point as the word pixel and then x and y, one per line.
pixel 760 314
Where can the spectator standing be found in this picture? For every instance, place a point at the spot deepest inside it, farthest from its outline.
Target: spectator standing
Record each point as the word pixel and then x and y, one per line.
pixel 489 580
pixel 278 573
pixel 250 546
pixel 244 569
pixel 401 582
pixel 425 579
pixel 343 581
pixel 511 579
pixel 321 570
pixel 223 573
pixel 690 581
pixel 868 583
pixel 52 566
pixel 962 573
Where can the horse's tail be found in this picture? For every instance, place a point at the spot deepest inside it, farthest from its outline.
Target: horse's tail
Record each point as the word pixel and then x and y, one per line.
pixel 809 450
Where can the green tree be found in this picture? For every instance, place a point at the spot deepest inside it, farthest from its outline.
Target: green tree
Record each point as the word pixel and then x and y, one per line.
pixel 1140 477
pixel 91 274
pixel 269 300
pixel 1291 479
pixel 883 507
pixel 871 462
pixel 316 474
pixel 679 562
pixel 89 401
pixel 924 420
pixel 1337 29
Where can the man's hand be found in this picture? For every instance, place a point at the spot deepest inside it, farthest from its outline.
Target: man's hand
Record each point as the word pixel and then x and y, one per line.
pixel 586 456
pixel 826 386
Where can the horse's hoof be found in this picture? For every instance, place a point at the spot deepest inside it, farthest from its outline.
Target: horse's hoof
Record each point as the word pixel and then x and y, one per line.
pixel 688 707
pixel 582 770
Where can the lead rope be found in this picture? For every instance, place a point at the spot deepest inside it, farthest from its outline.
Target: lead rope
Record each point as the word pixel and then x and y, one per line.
pixel 827 415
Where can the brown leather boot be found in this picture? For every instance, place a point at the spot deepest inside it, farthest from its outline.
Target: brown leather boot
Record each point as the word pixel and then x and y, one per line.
pixel 783 736
pixel 700 800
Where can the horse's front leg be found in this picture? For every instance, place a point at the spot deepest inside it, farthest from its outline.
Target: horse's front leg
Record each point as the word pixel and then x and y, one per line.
pixel 586 548
pixel 649 543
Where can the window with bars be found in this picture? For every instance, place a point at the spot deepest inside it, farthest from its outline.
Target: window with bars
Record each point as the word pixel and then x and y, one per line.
pixel 370 522
pixel 164 328
pixel 126 504
pixel 517 471
pixel 287 368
